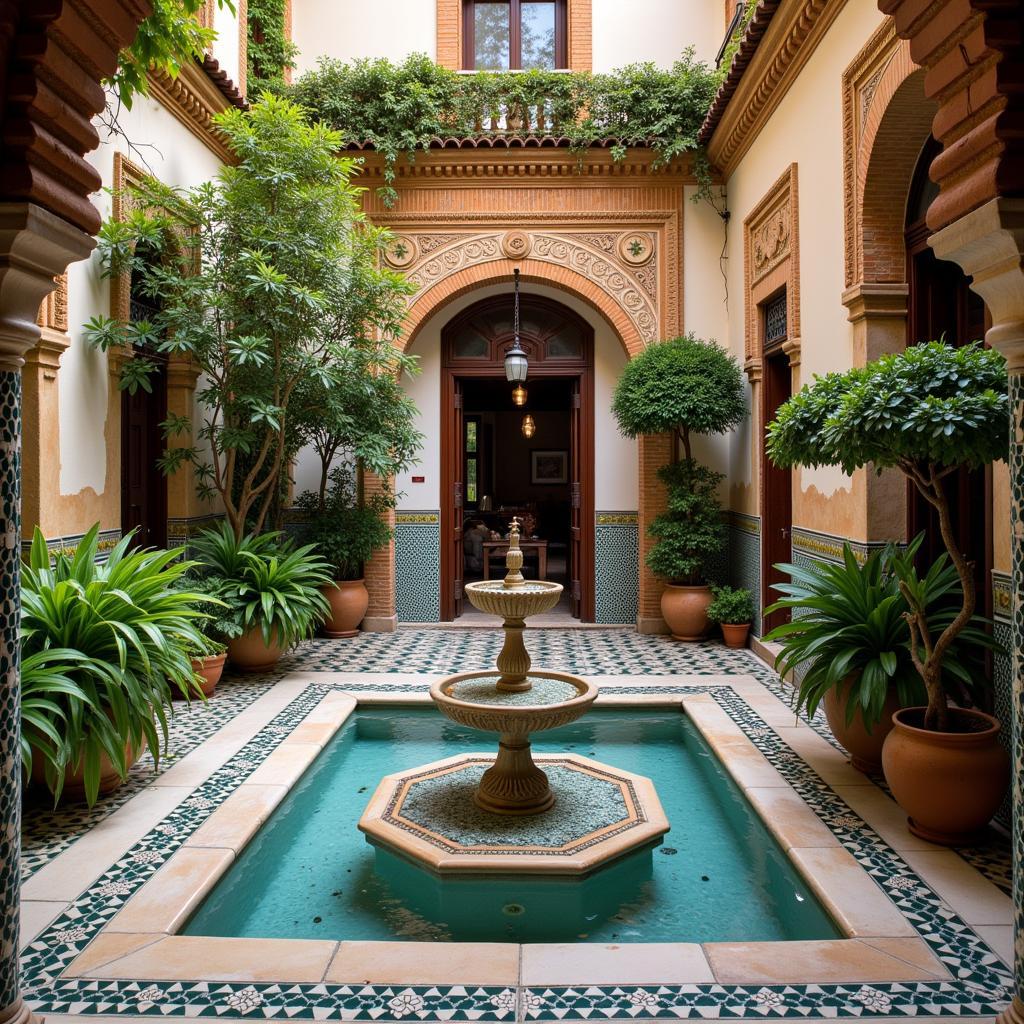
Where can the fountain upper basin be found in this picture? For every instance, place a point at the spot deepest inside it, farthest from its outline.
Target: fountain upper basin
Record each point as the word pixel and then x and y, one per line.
pixel 534 597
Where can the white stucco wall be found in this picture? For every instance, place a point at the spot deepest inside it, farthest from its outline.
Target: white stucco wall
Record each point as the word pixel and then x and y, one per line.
pixel 169 151
pixel 655 30
pixel 806 129
pixel 226 47
pixel 348 29
pixel 615 478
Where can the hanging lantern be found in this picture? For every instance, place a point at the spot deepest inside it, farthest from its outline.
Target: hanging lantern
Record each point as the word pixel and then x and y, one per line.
pixel 519 395
pixel 516 363
pixel 529 427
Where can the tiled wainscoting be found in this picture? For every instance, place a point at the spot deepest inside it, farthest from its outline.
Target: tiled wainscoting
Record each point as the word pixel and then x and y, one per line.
pixel 1002 669
pixel 617 567
pixel 418 566
pixel 69 544
pixel 745 558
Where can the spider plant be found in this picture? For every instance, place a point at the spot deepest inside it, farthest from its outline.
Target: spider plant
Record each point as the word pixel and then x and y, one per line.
pixel 112 640
pixel 280 595
pixel 224 555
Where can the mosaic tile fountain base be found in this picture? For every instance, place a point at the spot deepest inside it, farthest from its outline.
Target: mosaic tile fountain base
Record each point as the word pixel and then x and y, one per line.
pixel 429 814
pixel 979 985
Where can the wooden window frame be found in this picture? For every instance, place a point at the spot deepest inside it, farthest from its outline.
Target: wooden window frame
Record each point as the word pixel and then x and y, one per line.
pixel 515 56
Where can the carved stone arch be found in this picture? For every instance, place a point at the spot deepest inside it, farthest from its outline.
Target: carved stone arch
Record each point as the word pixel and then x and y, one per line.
pixel 498 271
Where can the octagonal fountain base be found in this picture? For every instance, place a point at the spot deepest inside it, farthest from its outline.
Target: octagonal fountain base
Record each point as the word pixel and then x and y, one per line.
pixel 428 815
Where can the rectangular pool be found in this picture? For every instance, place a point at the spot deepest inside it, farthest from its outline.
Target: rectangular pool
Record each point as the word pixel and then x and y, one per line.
pixel 719 875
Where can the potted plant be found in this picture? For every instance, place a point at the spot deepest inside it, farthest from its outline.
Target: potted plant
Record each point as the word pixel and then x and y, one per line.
pixel 926 411
pixel 106 645
pixel 220 626
pixel 271 588
pixel 733 610
pixel 684 386
pixel 345 532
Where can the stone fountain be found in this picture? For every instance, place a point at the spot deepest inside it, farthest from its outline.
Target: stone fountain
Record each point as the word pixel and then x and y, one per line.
pixel 509 813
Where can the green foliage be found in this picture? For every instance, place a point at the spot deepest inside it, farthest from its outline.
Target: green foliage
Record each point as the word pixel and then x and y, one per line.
pixel 685 386
pixel 103 646
pixel 850 623
pixel 345 531
pixel 733 45
pixel 932 405
pixel 927 411
pixel 690 530
pixel 270 51
pixel 264 581
pixel 732 606
pixel 270 281
pixel 400 109
pixel 168 37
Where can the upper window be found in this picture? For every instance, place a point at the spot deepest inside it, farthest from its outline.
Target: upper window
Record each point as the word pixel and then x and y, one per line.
pixel 514 35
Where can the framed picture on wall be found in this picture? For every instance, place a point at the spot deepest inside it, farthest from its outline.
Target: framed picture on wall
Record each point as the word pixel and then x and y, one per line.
pixel 549 466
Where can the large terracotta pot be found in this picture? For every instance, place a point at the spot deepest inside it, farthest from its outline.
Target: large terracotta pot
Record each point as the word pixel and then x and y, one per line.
pixel 209 670
pixel 74 781
pixel 735 634
pixel 864 748
pixel 250 653
pixel 349 600
pixel 685 610
pixel 949 783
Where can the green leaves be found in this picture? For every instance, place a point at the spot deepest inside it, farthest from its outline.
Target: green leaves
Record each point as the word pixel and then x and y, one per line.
pixel 932 404
pixel 400 108
pixel 731 606
pixel 683 384
pixel 103 647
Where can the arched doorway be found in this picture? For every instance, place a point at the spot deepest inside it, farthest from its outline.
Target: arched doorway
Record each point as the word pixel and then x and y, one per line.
pixel 143 485
pixel 492 470
pixel 941 304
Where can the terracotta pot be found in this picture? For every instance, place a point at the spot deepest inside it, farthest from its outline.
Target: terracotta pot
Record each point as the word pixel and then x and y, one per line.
pixel 949 783
pixel 349 600
pixel 74 781
pixel 735 633
pixel 210 669
pixel 685 610
pixel 864 748
pixel 249 652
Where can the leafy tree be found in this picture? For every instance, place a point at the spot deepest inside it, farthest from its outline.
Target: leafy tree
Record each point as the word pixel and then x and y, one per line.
pixel 684 386
pixel 166 39
pixel 927 411
pixel 270 282
pixel 270 50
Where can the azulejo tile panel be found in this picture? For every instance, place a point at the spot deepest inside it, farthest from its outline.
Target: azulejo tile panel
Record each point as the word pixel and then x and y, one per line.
pixel 745 559
pixel 979 986
pixel 616 567
pixel 418 566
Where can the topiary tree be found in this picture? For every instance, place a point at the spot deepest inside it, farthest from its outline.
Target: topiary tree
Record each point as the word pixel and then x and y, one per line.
pixel 928 412
pixel 684 386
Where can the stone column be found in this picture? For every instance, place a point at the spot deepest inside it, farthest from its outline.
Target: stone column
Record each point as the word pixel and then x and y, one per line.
pixel 35 246
pixel 988 244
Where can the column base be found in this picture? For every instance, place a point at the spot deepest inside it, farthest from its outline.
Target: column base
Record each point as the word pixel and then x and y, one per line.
pixel 1013 1014
pixel 380 623
pixel 653 625
pixel 18 1013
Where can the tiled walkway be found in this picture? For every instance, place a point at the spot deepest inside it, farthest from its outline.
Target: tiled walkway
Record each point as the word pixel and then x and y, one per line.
pixel 624 663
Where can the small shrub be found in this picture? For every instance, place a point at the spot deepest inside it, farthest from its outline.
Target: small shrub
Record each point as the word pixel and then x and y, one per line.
pixel 733 607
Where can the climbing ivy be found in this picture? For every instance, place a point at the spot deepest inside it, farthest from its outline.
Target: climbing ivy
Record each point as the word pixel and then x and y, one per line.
pixel 733 45
pixel 270 50
pixel 400 108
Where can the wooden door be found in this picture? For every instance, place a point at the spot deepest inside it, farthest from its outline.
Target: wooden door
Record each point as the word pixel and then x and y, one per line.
pixel 576 463
pixel 143 485
pixel 777 490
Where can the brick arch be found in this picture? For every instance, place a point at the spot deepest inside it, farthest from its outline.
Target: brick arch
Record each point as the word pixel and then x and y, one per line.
pixel 897 124
pixel 481 275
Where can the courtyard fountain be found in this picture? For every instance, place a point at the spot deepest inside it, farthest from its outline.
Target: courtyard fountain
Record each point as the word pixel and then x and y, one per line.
pixel 459 815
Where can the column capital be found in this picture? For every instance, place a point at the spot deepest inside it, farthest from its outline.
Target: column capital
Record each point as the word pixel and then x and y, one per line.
pixel 988 243
pixel 35 246
pixel 875 301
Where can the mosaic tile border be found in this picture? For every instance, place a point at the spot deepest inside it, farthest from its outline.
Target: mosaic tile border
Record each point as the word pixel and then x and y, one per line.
pixel 979 988
pixel 69 545
pixel 616 567
pixel 824 546
pixel 1002 596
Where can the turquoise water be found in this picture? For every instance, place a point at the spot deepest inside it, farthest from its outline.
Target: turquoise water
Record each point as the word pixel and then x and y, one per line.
pixel 719 876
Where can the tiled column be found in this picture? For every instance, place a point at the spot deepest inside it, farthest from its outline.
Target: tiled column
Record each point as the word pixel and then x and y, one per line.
pixel 35 246
pixel 988 244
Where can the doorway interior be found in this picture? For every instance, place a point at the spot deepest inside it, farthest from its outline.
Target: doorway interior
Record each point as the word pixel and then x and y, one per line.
pixel 502 459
